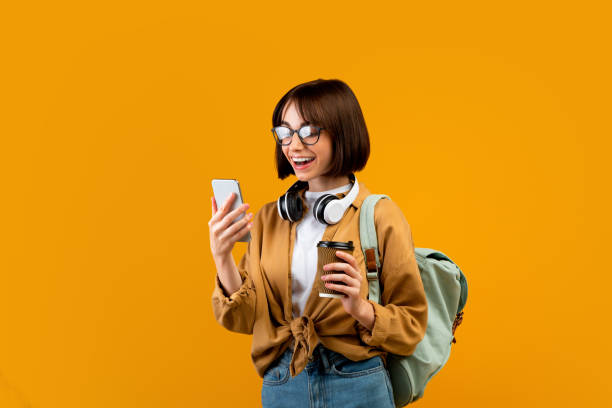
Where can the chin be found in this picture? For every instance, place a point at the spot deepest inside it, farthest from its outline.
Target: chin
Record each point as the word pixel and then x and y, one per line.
pixel 305 176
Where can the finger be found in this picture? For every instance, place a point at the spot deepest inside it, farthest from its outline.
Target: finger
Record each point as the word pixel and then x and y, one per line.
pixel 234 228
pixel 228 202
pixel 356 272
pixel 341 277
pixel 347 290
pixel 242 232
pixel 345 255
pixel 229 218
pixel 219 212
pixel 341 266
pixel 214 205
pixel 223 212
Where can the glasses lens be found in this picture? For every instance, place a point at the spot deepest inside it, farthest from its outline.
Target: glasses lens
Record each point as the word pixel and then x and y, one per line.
pixel 307 131
pixel 282 134
pixel 309 134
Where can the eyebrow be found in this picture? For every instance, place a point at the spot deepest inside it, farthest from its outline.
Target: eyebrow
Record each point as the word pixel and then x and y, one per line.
pixel 303 123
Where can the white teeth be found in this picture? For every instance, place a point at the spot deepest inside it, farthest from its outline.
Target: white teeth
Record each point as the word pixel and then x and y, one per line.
pixel 302 160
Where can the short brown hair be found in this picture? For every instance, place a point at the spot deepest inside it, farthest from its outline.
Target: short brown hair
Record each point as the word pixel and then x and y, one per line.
pixel 331 104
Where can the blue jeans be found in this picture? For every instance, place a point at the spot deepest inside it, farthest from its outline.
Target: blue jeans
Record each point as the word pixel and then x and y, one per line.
pixel 329 380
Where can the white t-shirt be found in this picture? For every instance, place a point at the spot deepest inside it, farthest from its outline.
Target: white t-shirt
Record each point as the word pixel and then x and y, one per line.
pixel 304 262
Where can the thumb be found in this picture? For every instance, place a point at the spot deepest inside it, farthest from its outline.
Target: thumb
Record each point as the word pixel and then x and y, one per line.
pixel 214 205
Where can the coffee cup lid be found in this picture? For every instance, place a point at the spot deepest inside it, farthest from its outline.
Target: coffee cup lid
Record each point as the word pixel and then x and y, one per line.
pixel 336 244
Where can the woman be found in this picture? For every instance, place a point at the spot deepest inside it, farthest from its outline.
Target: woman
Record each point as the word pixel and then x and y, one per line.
pixel 310 349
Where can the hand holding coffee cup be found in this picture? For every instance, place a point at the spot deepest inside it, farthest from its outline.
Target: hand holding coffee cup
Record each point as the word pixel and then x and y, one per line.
pixel 340 276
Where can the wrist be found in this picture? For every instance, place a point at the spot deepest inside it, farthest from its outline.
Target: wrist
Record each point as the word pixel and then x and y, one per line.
pixel 221 261
pixel 366 309
pixel 366 314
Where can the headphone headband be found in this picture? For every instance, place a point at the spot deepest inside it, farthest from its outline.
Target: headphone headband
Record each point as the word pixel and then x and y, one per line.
pixel 328 209
pixel 352 194
pixel 331 209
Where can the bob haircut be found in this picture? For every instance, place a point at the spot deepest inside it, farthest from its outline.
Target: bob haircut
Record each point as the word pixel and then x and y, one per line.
pixel 331 104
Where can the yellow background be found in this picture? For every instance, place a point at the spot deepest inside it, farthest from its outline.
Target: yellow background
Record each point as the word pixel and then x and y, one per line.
pixel 489 124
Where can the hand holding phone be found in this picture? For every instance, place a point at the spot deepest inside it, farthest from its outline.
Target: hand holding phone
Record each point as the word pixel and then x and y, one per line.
pixel 228 223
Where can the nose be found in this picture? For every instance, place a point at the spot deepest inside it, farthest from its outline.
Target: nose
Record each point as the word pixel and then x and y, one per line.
pixel 296 143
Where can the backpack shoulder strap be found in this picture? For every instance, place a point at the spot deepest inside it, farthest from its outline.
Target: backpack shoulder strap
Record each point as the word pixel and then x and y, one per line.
pixel 369 246
pixel 369 243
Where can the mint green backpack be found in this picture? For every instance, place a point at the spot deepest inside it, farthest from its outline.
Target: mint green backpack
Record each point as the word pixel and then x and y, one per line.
pixel 446 292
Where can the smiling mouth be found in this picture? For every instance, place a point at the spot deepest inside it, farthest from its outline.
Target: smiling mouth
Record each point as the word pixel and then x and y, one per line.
pixel 303 161
pixel 302 165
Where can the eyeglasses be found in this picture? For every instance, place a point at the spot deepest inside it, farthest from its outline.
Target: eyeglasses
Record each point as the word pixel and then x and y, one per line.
pixel 308 135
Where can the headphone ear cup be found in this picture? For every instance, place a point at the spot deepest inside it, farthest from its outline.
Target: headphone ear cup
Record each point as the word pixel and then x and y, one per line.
pixel 295 207
pixel 318 209
pixel 290 205
pixel 280 206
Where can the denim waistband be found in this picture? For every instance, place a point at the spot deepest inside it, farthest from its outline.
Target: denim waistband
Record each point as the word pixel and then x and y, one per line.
pixel 320 353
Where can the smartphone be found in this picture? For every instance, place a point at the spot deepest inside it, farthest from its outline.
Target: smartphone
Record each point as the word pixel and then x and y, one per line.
pixel 222 189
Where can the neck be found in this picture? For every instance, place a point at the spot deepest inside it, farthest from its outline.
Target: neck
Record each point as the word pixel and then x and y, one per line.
pixel 327 183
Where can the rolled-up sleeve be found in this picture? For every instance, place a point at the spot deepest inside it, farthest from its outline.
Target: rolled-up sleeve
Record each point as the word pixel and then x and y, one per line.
pixel 401 317
pixel 236 312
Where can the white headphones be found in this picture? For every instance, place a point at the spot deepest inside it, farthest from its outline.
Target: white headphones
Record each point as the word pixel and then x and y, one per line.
pixel 328 209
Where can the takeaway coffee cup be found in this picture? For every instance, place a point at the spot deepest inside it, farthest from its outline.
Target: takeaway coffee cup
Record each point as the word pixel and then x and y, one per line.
pixel 327 254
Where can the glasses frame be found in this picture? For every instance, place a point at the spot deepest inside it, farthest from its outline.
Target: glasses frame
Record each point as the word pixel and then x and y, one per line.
pixel 296 131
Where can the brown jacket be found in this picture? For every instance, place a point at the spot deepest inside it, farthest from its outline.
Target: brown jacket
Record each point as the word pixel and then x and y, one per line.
pixel 263 305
